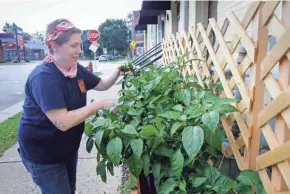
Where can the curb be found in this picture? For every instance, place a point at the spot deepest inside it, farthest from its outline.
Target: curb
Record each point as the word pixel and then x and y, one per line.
pixel 10 111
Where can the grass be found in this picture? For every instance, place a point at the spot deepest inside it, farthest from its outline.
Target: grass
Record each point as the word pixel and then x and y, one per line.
pixel 8 133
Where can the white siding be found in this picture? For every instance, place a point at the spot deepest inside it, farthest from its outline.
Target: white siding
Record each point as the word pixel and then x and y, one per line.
pixel 192 6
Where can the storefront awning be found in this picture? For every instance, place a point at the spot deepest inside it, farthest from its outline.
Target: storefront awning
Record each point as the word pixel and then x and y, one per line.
pixel 147 17
pixel 156 5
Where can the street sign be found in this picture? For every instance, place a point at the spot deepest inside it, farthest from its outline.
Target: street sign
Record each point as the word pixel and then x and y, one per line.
pixel 94 46
pixel 93 35
pixel 133 44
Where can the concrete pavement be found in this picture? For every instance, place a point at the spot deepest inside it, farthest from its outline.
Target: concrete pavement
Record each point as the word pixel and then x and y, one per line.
pixel 13 77
pixel 15 179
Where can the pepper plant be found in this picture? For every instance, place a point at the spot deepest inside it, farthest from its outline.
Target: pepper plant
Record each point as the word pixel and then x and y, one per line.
pixel 168 126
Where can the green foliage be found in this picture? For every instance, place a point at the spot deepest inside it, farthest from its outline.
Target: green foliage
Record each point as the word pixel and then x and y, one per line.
pixel 8 28
pixel 168 125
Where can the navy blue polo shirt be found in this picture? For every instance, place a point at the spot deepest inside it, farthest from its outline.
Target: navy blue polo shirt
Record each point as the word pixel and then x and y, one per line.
pixel 47 88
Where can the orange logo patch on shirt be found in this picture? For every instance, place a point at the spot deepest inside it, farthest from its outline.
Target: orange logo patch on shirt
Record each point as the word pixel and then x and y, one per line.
pixel 82 86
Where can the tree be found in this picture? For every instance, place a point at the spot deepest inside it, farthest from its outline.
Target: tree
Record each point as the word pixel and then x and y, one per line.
pixel 114 34
pixel 38 35
pixel 8 28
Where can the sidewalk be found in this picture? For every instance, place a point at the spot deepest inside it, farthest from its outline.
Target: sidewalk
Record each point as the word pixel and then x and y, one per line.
pixel 15 179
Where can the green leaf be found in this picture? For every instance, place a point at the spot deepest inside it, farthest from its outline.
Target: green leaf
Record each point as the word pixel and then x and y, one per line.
pixel 101 170
pixel 133 112
pixel 155 99
pixel 249 178
pixel 156 171
pixel 212 174
pixel 211 97
pixel 182 185
pixel 146 164
pixel 114 149
pixel 200 95
pixel 135 122
pixel 163 150
pixel 101 122
pixel 243 189
pixel 223 185
pixel 183 118
pixel 211 120
pixel 192 140
pixel 135 165
pixel 187 97
pixel 137 147
pixel 195 112
pixel 158 123
pixel 110 167
pixel 99 137
pixel 148 130
pixel 260 188
pixel 176 163
pixel 89 145
pixel 216 139
pixel 179 96
pixel 196 181
pixel 170 115
pixel 195 85
pixel 168 186
pixel 130 184
pixel 178 107
pixel 139 105
pixel 226 108
pixel 129 129
pixel 174 127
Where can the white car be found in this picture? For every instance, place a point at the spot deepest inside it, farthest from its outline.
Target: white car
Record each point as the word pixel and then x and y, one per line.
pixel 103 58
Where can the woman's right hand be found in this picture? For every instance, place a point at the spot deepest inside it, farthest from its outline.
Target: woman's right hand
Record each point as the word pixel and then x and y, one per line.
pixel 107 104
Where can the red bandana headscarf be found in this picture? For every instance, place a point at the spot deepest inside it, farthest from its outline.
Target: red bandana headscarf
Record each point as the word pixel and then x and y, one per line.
pixel 60 29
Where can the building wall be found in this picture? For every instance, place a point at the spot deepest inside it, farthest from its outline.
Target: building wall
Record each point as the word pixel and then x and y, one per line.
pixel 191 13
pixel 184 16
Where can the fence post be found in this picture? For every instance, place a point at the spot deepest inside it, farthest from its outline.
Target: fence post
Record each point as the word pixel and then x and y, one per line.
pixel 261 40
pixel 281 130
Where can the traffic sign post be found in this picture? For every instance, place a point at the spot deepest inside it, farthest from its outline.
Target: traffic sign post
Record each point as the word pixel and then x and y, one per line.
pixel 94 36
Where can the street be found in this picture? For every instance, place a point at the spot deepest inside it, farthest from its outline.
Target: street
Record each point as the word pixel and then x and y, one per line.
pixel 13 78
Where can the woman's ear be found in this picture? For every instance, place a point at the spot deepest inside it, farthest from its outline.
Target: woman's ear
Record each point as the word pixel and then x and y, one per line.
pixel 53 46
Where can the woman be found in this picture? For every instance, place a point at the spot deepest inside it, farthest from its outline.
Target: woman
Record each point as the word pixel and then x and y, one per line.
pixel 55 109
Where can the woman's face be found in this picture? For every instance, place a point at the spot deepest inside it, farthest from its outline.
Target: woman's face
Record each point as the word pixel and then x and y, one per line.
pixel 69 52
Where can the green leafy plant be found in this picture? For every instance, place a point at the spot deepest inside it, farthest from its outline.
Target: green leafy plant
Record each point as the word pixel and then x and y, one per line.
pixel 170 127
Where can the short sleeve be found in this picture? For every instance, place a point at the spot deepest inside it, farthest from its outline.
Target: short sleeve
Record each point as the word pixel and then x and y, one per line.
pixel 47 92
pixel 91 80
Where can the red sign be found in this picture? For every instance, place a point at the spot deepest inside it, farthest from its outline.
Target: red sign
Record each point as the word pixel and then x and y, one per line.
pixel 93 35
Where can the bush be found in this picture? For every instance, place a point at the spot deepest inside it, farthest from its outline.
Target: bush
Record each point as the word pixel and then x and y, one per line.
pixel 169 126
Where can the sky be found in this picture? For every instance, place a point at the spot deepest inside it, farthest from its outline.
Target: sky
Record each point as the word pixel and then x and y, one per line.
pixel 34 15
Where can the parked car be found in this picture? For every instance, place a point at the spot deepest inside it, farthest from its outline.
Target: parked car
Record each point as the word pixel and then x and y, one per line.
pixel 103 58
pixel 109 57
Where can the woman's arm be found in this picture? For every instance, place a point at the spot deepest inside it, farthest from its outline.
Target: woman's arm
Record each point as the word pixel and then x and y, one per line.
pixel 109 81
pixel 65 120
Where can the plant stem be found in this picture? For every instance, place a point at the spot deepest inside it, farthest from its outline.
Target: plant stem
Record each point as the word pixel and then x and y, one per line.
pixel 221 162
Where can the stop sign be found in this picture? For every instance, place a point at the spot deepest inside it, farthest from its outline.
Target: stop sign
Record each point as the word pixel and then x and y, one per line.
pixel 93 35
